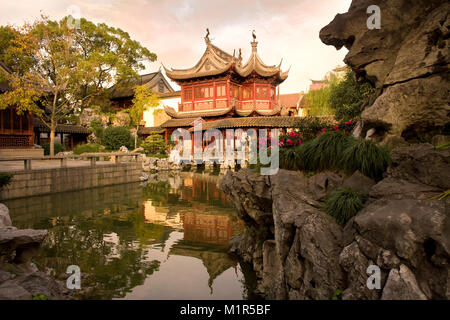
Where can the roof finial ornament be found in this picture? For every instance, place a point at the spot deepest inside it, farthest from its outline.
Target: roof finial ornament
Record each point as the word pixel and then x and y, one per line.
pixel 254 35
pixel 207 35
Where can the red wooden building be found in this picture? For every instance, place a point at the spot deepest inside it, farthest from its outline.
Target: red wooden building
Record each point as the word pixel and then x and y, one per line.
pixel 223 87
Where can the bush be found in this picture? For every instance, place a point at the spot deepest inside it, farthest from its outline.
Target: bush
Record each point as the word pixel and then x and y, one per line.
pixel 86 147
pixel 290 158
pixel 343 204
pixel 98 130
pixel 154 144
pixel 58 148
pixel 5 179
pixel 115 137
pixel 347 96
pixel 325 151
pixel 367 157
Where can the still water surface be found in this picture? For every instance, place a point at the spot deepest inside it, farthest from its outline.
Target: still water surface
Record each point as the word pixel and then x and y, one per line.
pixel 164 240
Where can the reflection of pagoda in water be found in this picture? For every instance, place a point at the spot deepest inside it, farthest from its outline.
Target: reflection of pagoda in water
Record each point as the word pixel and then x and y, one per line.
pixel 207 228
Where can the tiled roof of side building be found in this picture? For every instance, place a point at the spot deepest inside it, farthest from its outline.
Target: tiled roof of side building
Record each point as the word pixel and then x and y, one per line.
pixel 289 100
pixel 178 123
pixel 60 128
pixel 148 130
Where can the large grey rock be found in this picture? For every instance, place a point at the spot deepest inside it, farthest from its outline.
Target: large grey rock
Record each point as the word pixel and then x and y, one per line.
pixel 402 285
pixel 406 60
pixel 121 119
pixel 88 115
pixel 5 219
pixel 24 243
pixel 402 189
pixel 359 182
pixel 421 163
pixel 10 290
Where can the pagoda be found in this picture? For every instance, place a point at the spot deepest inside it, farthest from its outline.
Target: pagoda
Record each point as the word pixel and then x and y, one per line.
pixel 223 93
pixel 221 86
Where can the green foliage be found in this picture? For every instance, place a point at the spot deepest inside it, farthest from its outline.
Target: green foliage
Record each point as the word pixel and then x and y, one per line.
pixel 290 158
pixel 309 126
pixel 115 137
pixel 325 151
pixel 5 179
pixel 443 146
pixel 40 296
pixel 343 204
pixel 337 295
pixel 317 102
pixel 86 148
pixel 154 144
pixel 98 130
pixel 58 148
pixel 442 196
pixel 367 157
pixel 346 97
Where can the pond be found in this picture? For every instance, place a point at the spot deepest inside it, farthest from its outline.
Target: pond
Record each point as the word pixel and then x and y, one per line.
pixel 166 239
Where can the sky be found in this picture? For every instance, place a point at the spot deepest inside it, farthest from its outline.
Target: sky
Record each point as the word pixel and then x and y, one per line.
pixel 175 29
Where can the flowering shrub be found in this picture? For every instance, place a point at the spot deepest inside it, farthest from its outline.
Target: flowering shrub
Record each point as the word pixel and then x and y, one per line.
pixel 298 136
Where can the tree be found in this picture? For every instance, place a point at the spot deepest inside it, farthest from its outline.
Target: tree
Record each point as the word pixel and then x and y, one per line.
pixel 154 144
pixel 70 67
pixel 347 97
pixel 142 101
pixel 316 102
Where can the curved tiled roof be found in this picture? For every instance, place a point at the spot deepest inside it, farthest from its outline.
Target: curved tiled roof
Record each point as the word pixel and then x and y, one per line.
pixel 251 122
pixel 201 113
pixel 215 61
pixel 178 123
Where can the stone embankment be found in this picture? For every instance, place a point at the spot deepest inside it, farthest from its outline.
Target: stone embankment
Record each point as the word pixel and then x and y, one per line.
pixel 20 279
pixel 300 252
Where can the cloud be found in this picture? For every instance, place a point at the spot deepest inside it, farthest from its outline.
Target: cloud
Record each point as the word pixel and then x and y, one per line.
pixel 174 29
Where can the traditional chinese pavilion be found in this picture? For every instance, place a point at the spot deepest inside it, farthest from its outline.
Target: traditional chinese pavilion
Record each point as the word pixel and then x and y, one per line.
pixel 224 92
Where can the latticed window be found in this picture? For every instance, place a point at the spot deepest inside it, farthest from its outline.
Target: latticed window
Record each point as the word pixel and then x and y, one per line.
pixel 234 91
pixel 203 92
pixel 262 92
pixel 188 93
pixel 221 90
pixel 247 93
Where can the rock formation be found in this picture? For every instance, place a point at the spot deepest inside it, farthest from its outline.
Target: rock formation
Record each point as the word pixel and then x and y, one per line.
pixel 19 277
pixel 299 252
pixel 407 60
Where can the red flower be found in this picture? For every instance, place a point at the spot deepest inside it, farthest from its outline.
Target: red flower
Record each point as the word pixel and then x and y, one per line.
pixel 336 128
pixel 323 130
pixel 289 141
pixel 292 134
pixel 349 122
pixel 281 143
pixel 299 141
pixel 281 140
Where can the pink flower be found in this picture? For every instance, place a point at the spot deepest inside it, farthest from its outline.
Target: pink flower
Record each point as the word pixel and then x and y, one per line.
pixel 292 134
pixel 299 141
pixel 336 128
pixel 289 141
pixel 349 122
pixel 281 140
pixel 281 143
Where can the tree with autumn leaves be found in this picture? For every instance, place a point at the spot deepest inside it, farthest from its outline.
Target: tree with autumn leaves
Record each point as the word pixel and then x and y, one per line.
pixel 57 70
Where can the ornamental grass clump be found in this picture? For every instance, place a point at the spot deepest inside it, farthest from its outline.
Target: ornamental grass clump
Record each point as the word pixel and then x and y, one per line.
pixel 343 204
pixel 325 151
pixel 290 158
pixel 367 157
